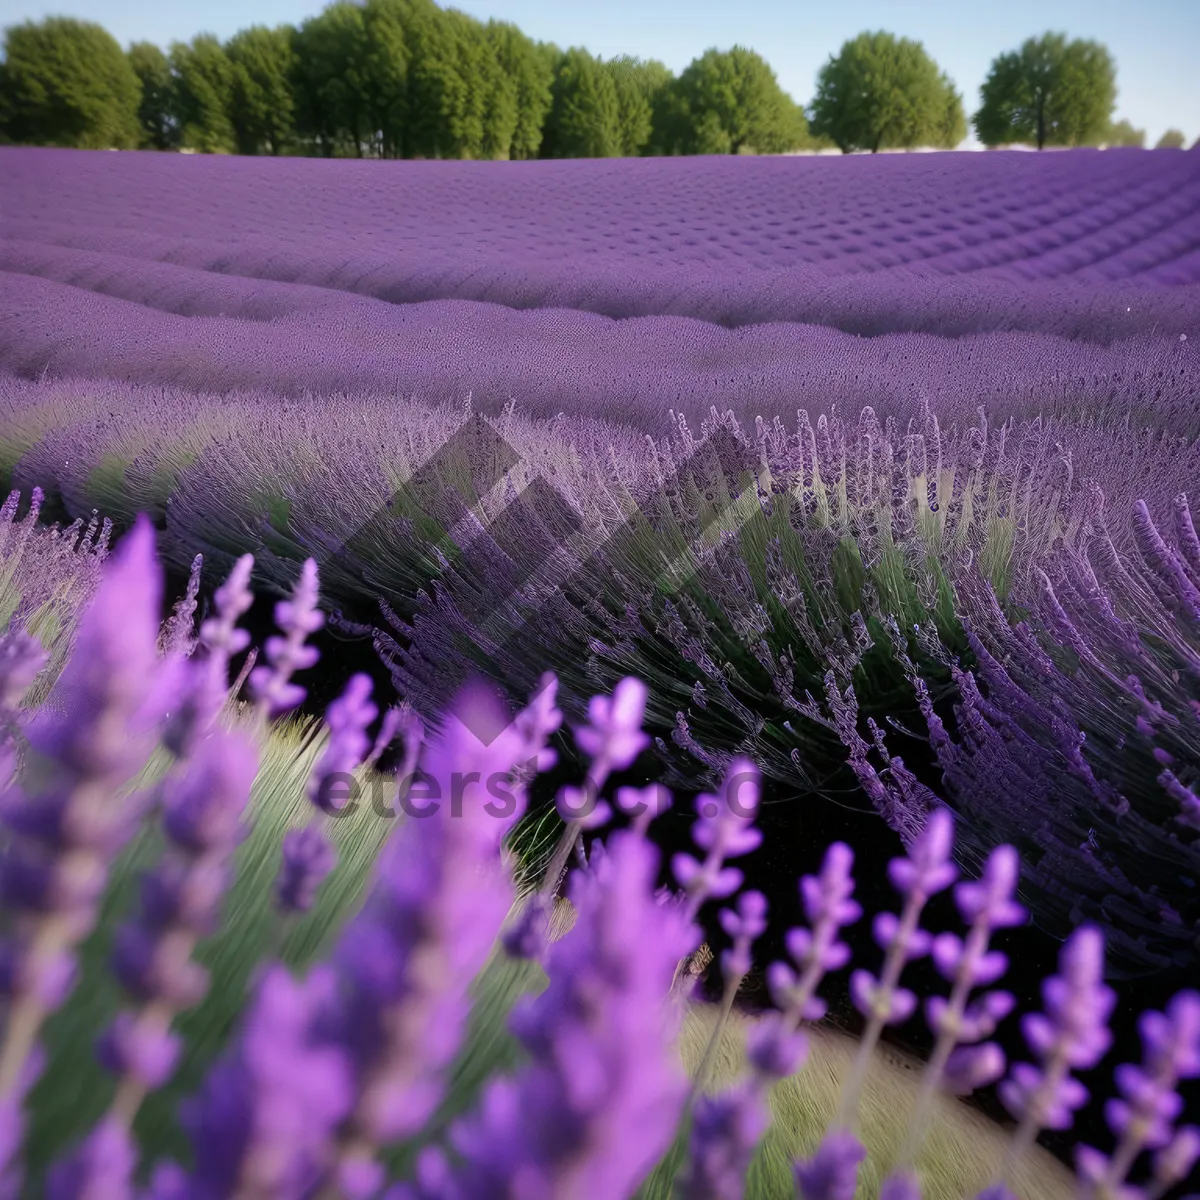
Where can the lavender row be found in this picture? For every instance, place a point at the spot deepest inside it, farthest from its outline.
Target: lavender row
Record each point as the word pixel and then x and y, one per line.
pixel 582 364
pixel 1081 244
pixel 326 1071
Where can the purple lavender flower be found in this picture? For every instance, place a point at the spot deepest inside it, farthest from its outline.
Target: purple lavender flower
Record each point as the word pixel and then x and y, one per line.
pixel 264 1120
pixel 102 1167
pixel 828 906
pixel 56 864
pixel 612 740
pixel 955 1062
pixel 599 1103
pixel 176 639
pixel 725 1130
pixel 832 1173
pixel 180 903
pixel 441 898
pixel 296 618
pixel 1144 1115
pixel 308 857
pixel 21 658
pixel 726 1127
pixel 204 681
pixel 347 717
pixel 724 830
pixel 1073 1034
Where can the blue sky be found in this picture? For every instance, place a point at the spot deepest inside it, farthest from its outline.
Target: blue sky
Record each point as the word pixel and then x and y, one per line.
pixel 1153 41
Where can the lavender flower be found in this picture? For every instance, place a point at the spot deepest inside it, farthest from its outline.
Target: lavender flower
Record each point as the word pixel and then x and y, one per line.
pixel 179 906
pixel 308 857
pixel 347 718
pixel 21 658
pixel 612 740
pixel 1073 1034
pixel 263 1122
pixel 599 1102
pixel 724 830
pixel 296 618
pixel 442 895
pixel 64 835
pixel 204 683
pixel 1143 1117
pixel 726 1128
pixel 832 1173
pixel 176 639
pixel 955 1061
pixel 102 1167
pixel 926 870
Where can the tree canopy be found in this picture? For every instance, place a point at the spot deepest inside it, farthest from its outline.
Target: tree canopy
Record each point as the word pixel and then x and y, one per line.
pixel 1173 139
pixel 204 92
pixel 881 92
pixel 1122 133
pixel 156 110
pixel 263 63
pixel 1051 92
pixel 68 83
pixel 729 102
pixel 585 111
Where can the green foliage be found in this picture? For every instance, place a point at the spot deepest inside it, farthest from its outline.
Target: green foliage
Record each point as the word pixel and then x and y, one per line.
pixel 1051 92
pixel 729 102
pixel 1122 133
pixel 263 65
pixel 1173 139
pixel 204 86
pixel 642 85
pixel 881 92
pixel 156 112
pixel 531 70
pixel 329 79
pixel 68 83
pixel 585 112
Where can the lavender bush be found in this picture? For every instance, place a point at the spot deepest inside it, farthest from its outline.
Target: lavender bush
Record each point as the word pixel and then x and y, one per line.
pixel 332 1062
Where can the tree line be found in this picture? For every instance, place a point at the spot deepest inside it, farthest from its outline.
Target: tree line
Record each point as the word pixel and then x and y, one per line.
pixel 407 79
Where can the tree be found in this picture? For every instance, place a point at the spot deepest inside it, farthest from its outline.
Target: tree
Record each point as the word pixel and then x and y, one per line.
pixel 68 83
pixel 1173 139
pixel 882 92
pixel 1051 92
pixel 263 110
pixel 329 84
pixel 204 87
pixel 640 86
pixel 156 111
pixel 585 113
pixel 728 102
pixel 1122 133
pixel 532 75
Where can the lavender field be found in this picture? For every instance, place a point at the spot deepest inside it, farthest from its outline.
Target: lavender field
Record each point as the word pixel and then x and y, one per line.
pixel 879 473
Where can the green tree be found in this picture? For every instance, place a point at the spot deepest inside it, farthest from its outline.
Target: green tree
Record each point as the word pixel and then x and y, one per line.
pixel 156 112
pixel 393 29
pixel 204 87
pixel 585 114
pixel 68 83
pixel 1122 133
pixel 1051 92
pixel 531 72
pixel 881 92
pixel 1173 139
pixel 263 111
pixel 329 80
pixel 641 85
pixel 728 102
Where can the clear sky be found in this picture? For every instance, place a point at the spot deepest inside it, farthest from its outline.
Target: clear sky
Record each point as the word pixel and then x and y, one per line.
pixel 1154 42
